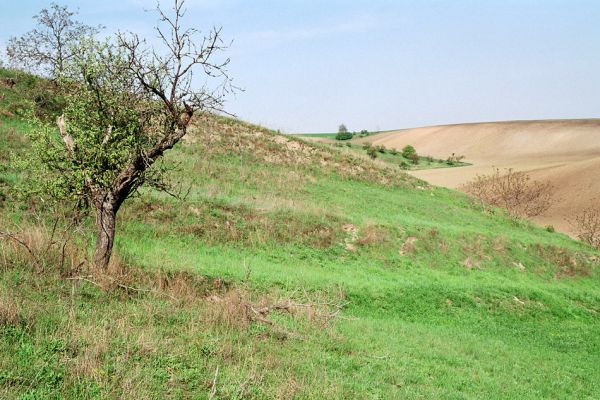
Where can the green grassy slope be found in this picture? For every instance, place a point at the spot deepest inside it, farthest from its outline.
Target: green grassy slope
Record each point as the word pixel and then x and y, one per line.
pixel 389 156
pixel 402 290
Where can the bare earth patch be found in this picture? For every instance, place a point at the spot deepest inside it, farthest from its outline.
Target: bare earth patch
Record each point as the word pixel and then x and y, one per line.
pixel 565 153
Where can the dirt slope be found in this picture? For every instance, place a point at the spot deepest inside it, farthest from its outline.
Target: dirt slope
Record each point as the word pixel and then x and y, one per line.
pixel 564 152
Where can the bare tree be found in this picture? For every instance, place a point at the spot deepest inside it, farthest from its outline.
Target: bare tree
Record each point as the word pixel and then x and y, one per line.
pixel 127 104
pixel 52 43
pixel 512 190
pixel 587 226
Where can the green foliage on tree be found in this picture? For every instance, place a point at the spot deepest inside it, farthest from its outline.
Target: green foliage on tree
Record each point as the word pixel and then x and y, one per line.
pixel 125 106
pixel 408 150
pixel 343 133
pixel 343 136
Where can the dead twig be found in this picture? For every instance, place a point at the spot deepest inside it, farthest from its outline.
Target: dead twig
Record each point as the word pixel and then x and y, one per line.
pixel 213 390
pixel 15 239
pixel 121 286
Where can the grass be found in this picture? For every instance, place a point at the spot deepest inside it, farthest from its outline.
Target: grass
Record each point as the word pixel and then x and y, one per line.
pixel 395 158
pixel 321 135
pixel 389 156
pixel 401 290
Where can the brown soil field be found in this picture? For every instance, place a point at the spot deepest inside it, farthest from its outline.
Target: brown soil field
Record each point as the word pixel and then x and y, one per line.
pixel 565 153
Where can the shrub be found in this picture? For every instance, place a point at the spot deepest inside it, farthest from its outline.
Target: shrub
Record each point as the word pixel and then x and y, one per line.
pixel 550 228
pixel 404 165
pixel 454 159
pixel 512 190
pixel 393 151
pixel 408 150
pixel 343 136
pixel 413 158
pixel 381 149
pixel 587 226
pixel 364 133
pixel 372 152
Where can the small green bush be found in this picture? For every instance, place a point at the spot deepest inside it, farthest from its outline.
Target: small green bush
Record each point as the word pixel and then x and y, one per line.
pixel 372 152
pixel 408 150
pixel 343 136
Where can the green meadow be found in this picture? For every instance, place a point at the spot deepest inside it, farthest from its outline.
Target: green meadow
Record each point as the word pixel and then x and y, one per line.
pixel 289 269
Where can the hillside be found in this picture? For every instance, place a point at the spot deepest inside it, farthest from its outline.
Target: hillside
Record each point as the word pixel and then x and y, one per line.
pixel 565 153
pixel 293 270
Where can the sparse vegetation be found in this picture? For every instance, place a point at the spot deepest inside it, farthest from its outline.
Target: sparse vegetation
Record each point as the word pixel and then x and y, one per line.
pixel 454 159
pixel 394 157
pixel 266 263
pixel 587 226
pixel 513 191
pixel 372 152
pixel 285 269
pixel 413 158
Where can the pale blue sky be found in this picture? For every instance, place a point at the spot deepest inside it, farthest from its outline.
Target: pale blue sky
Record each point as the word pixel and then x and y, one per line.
pixel 308 66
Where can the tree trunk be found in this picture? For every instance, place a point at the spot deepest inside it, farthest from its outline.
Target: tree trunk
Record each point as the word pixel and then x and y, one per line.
pixel 105 223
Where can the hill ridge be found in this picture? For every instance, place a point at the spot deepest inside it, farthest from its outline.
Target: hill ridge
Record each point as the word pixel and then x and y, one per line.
pixel 559 151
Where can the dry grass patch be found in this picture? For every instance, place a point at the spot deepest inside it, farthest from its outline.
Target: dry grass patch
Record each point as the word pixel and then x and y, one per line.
pixel 43 246
pixel 409 246
pixel 476 250
pixel 216 222
pixel 11 312
pixel 373 234
pixel 565 263
pixel 223 136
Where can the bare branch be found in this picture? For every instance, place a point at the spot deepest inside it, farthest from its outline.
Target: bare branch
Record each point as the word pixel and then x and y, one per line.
pixel 512 190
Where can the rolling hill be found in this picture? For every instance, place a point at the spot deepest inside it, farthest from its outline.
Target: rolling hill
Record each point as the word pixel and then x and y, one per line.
pixel 565 153
pixel 289 270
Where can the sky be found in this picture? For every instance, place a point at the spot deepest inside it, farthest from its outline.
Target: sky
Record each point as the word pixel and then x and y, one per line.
pixel 308 65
